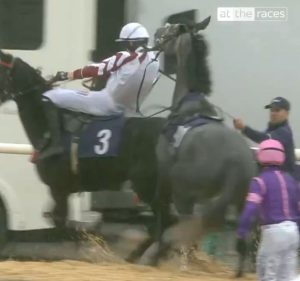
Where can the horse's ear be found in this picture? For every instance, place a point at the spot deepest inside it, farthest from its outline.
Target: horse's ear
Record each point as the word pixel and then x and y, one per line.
pixel 202 25
pixel 5 57
pixel 2 55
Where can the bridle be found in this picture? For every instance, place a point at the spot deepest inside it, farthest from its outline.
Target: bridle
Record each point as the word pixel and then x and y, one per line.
pixel 7 92
pixel 168 34
pixel 164 38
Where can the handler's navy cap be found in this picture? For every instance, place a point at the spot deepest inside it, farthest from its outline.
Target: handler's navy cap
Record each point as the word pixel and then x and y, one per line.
pixel 280 103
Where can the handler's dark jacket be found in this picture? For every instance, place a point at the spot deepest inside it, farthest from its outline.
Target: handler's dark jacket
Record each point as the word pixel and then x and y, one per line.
pixel 281 132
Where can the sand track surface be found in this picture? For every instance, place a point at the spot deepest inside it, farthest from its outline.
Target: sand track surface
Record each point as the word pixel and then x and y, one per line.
pixel 75 270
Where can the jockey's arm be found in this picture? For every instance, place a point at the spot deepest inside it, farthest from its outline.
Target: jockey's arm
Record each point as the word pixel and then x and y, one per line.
pixel 252 204
pixel 104 68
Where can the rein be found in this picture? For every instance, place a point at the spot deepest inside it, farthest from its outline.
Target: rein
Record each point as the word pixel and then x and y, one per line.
pixel 142 82
pixel 138 110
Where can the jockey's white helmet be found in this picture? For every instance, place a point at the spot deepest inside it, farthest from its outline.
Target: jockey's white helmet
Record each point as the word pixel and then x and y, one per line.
pixel 133 31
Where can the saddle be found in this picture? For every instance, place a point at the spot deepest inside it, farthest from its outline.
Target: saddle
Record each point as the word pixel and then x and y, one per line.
pixel 93 136
pixel 76 122
pixel 192 111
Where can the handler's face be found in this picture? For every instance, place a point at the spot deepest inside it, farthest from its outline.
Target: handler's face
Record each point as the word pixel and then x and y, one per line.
pixel 278 115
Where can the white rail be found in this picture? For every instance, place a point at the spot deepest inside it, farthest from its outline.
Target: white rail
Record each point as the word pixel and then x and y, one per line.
pixel 15 148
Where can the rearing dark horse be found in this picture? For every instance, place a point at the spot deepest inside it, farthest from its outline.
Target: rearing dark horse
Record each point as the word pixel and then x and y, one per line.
pixel 136 160
pixel 200 159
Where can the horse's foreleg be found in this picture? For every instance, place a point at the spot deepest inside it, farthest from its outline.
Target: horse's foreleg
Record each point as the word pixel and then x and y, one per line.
pixel 163 219
pixel 137 253
pixel 60 210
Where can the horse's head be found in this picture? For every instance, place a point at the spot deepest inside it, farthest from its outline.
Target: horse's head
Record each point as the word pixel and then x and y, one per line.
pixel 166 37
pixel 17 78
pixel 188 46
pixel 6 66
pixel 22 83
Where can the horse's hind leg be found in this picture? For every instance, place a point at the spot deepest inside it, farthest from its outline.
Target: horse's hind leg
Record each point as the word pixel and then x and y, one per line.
pixel 185 206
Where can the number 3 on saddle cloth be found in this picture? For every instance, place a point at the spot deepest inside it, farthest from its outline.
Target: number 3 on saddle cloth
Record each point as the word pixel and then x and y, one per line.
pixel 100 136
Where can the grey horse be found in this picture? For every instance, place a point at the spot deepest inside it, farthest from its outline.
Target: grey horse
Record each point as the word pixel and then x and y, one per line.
pixel 201 160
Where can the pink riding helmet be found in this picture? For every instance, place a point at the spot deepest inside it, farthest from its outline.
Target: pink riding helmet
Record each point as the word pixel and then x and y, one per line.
pixel 270 152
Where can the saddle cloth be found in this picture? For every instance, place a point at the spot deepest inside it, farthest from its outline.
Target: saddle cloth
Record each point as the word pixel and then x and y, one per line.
pixel 101 137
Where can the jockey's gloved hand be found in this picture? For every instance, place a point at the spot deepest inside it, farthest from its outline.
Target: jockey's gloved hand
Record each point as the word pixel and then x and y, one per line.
pixel 241 246
pixel 61 76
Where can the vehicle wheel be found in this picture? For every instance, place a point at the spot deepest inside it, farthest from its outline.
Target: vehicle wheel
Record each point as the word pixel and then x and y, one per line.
pixel 3 226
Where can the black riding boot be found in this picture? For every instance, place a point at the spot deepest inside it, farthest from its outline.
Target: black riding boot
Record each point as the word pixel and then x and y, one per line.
pixel 53 146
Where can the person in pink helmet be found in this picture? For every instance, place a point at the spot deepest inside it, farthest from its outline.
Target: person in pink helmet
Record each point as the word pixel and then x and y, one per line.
pixel 275 195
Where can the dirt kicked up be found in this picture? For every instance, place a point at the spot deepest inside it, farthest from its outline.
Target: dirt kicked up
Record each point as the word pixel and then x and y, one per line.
pixel 75 270
pixel 95 261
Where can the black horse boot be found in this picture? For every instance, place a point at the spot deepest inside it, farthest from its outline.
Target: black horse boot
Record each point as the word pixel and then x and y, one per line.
pixel 53 146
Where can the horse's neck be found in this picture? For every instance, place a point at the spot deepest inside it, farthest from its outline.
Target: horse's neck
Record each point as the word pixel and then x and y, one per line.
pixel 182 87
pixel 32 119
pixel 192 68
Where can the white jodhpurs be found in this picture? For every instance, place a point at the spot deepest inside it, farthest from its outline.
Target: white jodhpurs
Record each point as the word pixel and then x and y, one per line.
pixel 277 257
pixel 92 102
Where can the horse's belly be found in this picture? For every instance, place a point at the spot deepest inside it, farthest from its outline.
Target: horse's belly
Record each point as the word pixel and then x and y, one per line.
pixel 100 174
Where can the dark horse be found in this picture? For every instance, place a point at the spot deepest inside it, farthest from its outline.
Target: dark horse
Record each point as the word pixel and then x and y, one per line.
pixel 136 160
pixel 206 162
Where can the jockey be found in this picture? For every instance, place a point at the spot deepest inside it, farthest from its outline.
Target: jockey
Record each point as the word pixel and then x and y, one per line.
pixel 130 76
pixel 275 194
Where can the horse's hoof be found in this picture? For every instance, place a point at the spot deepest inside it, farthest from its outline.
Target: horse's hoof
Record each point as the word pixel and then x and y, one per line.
pixel 150 256
pixel 148 262
pixel 239 274
pixel 184 268
pixel 130 259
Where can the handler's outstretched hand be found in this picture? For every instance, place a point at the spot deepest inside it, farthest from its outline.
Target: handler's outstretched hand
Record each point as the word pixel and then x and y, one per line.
pixel 238 124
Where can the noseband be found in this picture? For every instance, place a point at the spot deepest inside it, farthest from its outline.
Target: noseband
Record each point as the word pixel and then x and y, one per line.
pixel 6 93
pixel 168 35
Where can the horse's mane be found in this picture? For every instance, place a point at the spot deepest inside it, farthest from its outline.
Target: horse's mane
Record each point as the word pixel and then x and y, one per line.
pixel 192 53
pixel 28 75
pixel 32 84
pixel 198 73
